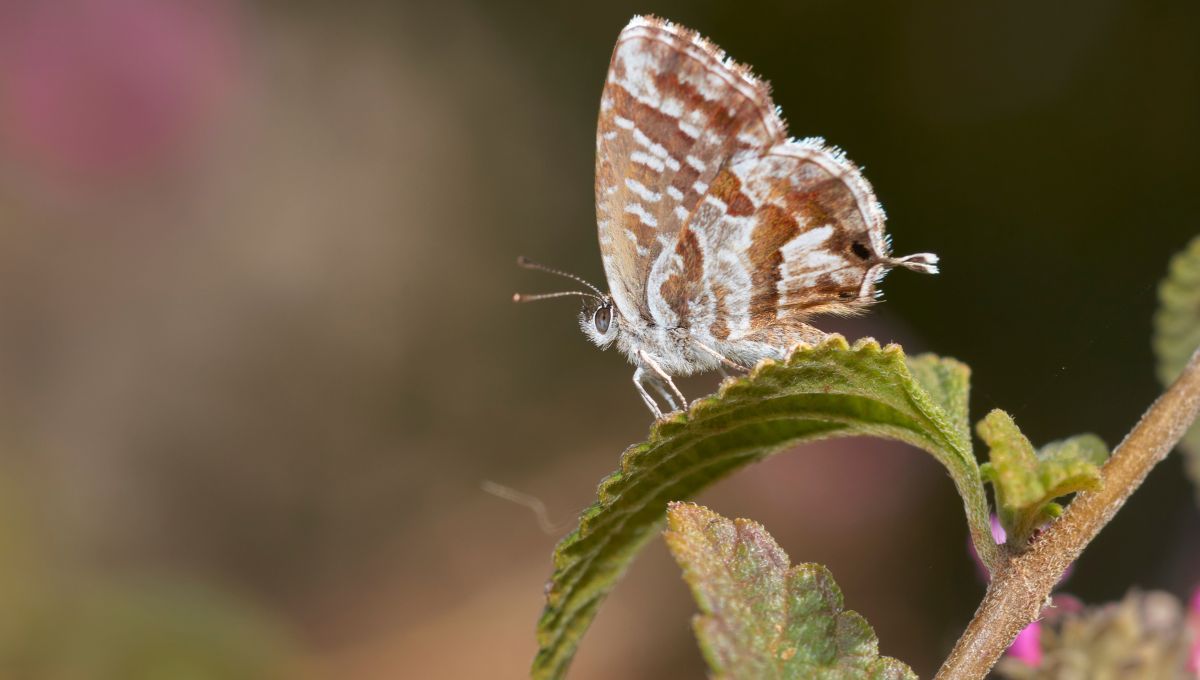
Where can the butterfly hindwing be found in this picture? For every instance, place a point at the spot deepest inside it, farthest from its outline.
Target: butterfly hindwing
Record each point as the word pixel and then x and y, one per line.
pixel 819 233
pixel 777 238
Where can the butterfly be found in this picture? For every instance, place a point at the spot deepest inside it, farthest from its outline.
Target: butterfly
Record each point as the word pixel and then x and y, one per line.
pixel 721 236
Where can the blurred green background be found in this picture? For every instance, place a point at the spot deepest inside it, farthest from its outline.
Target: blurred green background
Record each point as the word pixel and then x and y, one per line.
pixel 258 352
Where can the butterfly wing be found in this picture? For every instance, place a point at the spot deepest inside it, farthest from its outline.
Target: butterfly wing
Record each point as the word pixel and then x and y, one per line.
pixel 776 239
pixel 821 212
pixel 674 113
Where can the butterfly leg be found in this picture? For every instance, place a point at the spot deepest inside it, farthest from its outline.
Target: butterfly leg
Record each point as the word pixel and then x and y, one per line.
pixel 639 378
pixel 726 362
pixel 664 393
pixel 665 381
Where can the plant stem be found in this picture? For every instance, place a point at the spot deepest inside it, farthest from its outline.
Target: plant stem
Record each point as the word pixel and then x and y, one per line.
pixel 1020 588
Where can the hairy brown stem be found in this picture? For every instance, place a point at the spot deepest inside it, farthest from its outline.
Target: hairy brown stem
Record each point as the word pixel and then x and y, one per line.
pixel 1020 587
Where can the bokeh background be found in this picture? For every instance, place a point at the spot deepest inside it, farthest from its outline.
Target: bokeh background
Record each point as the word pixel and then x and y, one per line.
pixel 258 355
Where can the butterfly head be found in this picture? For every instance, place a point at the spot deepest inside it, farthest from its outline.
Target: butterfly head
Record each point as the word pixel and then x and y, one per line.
pixel 599 319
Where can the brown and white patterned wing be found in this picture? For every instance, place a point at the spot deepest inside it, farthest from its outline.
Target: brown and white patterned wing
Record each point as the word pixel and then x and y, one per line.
pixel 775 240
pixel 673 114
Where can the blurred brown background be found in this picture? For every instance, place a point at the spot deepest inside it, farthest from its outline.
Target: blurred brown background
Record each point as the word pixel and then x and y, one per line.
pixel 258 354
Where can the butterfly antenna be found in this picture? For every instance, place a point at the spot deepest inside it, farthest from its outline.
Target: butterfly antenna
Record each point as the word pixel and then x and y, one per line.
pixel 526 263
pixel 520 297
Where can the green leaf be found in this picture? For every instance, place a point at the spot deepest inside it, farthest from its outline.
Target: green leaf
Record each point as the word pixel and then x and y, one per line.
pixel 948 382
pixel 1027 482
pixel 830 390
pixel 1177 335
pixel 760 617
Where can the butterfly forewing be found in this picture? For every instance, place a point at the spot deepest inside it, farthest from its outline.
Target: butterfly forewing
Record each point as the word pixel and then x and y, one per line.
pixel 673 115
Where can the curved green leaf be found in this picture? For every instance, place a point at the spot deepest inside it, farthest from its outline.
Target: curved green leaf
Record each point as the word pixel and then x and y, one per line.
pixel 948 382
pixel 759 616
pixel 1177 334
pixel 1027 482
pixel 830 390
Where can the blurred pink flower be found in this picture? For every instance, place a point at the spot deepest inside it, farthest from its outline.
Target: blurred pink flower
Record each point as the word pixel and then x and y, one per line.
pixel 99 89
pixel 1028 645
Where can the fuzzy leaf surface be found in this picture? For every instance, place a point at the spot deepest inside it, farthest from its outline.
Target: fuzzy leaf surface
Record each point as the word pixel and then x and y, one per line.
pixel 830 390
pixel 1026 481
pixel 948 382
pixel 1177 335
pixel 759 616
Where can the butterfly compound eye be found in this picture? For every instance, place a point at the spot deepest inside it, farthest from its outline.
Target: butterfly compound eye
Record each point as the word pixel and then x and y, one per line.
pixel 603 319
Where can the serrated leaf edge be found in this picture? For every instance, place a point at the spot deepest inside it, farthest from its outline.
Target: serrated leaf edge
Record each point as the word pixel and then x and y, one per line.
pixel 961 464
